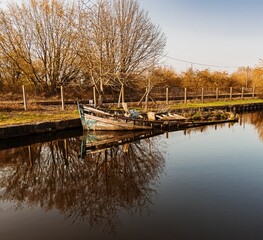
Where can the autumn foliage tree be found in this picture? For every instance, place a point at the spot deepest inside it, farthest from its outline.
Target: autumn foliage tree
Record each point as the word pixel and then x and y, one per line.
pixel 243 76
pixel 258 78
pixel 165 77
pixel 196 79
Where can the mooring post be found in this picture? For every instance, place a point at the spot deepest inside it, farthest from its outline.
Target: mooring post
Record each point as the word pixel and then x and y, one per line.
pixel 24 97
pixel 62 98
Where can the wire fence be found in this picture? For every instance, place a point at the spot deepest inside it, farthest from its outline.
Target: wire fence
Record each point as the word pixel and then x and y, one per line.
pixel 67 96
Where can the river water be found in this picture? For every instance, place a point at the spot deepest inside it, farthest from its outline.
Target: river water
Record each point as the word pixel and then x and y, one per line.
pixel 201 183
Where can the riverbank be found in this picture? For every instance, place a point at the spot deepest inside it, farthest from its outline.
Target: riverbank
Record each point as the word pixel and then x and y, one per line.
pixel 15 124
pixel 12 131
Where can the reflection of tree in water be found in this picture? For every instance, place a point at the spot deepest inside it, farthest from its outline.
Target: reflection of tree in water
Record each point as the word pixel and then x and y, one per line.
pixel 256 119
pixel 35 170
pixel 206 128
pixel 94 188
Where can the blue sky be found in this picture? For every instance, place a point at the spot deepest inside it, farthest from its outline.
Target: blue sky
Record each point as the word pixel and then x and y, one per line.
pixel 224 33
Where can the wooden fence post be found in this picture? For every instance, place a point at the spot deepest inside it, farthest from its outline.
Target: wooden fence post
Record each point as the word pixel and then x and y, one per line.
pixel 167 95
pixel 24 97
pixel 185 95
pixel 217 94
pixel 202 97
pixel 62 98
pixel 231 92
pixel 242 93
pixel 253 92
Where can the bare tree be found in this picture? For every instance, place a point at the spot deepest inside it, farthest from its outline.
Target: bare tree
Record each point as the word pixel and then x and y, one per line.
pixel 121 43
pixel 39 38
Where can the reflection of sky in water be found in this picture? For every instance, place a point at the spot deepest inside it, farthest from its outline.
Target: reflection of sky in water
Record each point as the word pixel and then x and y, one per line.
pixel 211 188
pixel 213 184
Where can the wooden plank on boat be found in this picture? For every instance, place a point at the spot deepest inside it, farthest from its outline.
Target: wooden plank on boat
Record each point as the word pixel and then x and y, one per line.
pixel 94 110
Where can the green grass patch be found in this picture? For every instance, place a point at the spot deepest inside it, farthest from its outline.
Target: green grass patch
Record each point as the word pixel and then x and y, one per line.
pixel 214 104
pixel 3 117
pixel 14 118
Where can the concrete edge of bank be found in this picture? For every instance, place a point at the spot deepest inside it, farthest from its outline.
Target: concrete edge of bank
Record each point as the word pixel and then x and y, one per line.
pixel 38 128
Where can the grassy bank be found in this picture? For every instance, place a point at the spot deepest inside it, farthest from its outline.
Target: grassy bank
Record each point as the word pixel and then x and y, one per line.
pixel 215 104
pixel 22 117
pixel 13 118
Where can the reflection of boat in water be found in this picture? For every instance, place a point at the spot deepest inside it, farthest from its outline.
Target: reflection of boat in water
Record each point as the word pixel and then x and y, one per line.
pixel 96 119
pixel 101 140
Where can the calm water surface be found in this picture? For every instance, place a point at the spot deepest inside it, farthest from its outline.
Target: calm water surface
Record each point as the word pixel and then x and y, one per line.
pixel 204 183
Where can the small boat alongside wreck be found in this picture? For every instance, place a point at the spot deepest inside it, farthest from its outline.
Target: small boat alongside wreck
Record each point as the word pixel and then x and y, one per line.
pixel 96 119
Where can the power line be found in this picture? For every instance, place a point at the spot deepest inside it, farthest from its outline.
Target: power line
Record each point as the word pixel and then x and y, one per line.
pixel 198 63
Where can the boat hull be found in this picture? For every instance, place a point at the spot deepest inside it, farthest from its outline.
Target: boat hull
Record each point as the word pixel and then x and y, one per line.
pixel 91 122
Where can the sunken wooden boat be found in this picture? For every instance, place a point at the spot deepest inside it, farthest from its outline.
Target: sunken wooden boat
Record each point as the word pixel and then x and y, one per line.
pixel 96 119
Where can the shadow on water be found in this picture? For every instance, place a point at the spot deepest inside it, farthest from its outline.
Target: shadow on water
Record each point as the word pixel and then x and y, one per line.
pixel 84 180
pixel 39 138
